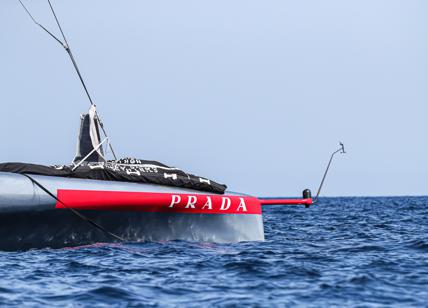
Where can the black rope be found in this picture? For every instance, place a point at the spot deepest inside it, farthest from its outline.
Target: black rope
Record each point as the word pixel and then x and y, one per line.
pixel 57 22
pixel 80 215
pixel 66 46
pixel 41 26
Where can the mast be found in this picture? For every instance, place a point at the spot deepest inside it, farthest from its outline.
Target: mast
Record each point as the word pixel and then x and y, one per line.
pixel 67 48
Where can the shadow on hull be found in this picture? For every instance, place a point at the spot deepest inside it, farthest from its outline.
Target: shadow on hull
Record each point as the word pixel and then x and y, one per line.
pixel 61 228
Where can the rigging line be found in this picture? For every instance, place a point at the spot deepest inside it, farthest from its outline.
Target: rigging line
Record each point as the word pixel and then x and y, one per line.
pixel 28 12
pixel 57 22
pixel 41 26
pixel 66 46
pixel 80 215
pixel 105 134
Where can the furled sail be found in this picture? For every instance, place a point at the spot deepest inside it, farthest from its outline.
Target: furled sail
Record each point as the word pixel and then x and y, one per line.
pixel 89 138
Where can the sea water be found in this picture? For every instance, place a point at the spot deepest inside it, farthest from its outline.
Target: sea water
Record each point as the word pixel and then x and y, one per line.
pixel 343 252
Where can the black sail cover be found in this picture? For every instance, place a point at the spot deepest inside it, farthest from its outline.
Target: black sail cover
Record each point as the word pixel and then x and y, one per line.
pixel 126 169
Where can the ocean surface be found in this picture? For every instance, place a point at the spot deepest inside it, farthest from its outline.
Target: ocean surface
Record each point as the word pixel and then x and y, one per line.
pixel 343 252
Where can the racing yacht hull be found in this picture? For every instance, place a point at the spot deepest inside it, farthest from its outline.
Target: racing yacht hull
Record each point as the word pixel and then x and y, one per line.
pixel 30 217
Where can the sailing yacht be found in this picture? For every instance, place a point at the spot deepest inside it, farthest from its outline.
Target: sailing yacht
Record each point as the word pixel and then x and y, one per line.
pixel 96 199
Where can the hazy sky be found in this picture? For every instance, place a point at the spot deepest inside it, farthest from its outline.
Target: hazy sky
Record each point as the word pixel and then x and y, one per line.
pixel 254 94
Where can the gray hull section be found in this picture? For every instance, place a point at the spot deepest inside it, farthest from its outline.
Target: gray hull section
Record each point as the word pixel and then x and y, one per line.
pixel 28 218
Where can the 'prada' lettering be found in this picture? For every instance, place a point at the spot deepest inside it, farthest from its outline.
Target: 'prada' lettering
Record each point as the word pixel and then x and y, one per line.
pixel 175 200
pixel 225 203
pixel 191 202
pixel 209 204
pixel 242 205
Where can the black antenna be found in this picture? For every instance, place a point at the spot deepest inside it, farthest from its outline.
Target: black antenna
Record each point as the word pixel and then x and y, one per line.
pixel 66 46
pixel 342 151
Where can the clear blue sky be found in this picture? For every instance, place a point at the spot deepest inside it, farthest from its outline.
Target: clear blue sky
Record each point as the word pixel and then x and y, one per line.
pixel 255 94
